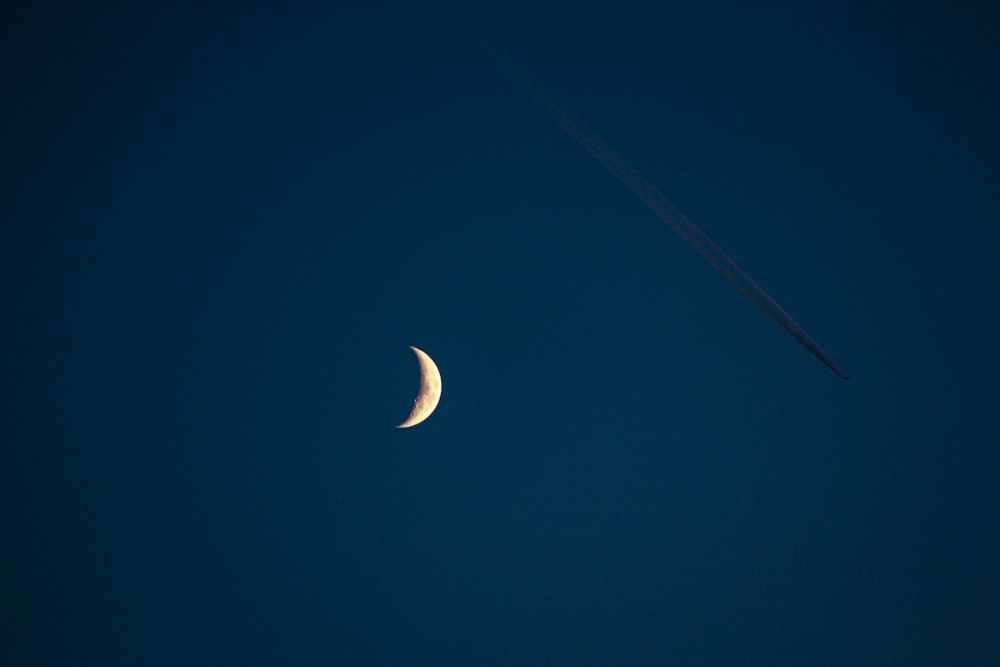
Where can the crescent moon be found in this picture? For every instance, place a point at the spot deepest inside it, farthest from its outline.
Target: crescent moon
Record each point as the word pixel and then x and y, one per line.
pixel 430 390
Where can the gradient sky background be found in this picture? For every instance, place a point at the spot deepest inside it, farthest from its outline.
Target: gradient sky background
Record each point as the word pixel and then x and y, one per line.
pixel 224 227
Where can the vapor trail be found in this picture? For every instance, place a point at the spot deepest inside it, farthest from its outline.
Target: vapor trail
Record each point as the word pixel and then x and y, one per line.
pixel 640 187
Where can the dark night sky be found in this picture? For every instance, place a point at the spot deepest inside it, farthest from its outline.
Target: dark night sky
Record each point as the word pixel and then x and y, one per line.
pixel 222 229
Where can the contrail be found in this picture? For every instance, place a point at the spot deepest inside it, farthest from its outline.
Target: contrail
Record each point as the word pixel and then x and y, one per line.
pixel 640 187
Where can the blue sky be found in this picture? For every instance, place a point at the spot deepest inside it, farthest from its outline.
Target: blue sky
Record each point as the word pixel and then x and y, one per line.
pixel 226 226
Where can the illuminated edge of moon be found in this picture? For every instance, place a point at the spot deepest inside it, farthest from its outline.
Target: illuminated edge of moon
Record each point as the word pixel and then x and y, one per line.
pixel 430 390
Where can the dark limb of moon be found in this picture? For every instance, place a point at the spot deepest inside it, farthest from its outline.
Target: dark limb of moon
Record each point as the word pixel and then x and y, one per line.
pixel 649 194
